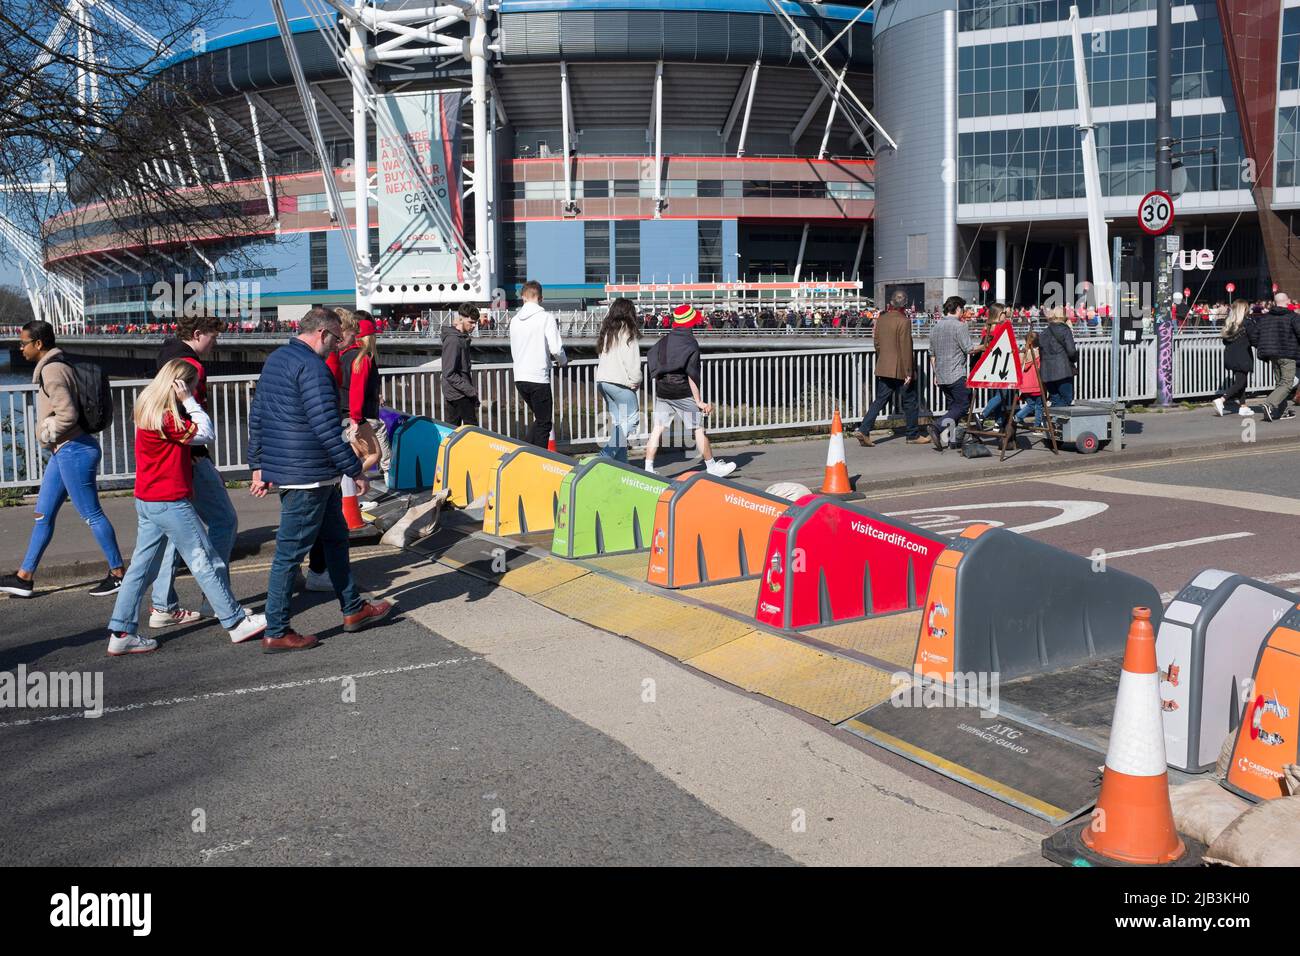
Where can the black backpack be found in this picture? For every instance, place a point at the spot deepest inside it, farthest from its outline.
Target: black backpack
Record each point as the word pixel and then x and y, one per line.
pixel 93 395
pixel 669 384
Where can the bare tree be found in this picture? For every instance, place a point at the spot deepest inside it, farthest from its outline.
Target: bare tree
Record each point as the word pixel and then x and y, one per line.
pixel 93 95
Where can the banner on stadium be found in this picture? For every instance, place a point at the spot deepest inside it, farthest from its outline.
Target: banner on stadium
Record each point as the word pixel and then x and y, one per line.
pixel 413 249
pixel 805 287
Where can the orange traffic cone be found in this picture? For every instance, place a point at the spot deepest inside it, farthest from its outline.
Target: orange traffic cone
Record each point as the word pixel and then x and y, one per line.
pixel 1133 822
pixel 550 442
pixel 351 509
pixel 837 472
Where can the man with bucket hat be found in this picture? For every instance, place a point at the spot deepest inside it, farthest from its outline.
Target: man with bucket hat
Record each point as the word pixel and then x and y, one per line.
pixel 674 367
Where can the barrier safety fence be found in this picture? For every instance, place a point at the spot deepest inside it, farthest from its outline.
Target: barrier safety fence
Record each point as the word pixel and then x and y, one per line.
pixel 753 392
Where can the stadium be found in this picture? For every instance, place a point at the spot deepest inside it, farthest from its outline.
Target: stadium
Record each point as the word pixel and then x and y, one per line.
pixel 718 149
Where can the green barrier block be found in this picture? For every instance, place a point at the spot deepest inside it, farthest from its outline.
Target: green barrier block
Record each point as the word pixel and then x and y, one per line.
pixel 606 508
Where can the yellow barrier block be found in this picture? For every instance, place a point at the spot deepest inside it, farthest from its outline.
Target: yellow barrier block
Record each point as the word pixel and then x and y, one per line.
pixel 675 629
pixel 890 638
pixel 541 575
pixel 467 463
pixel 828 687
pixel 526 493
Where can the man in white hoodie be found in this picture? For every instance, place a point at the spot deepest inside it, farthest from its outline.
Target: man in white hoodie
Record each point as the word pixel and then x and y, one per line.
pixel 534 344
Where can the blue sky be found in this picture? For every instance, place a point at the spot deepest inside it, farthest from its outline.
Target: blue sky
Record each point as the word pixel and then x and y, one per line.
pixel 240 14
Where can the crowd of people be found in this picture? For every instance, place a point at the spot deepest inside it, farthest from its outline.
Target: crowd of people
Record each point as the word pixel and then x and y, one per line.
pixel 316 432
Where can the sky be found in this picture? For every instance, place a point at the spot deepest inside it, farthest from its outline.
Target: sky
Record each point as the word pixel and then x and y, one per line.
pixel 240 15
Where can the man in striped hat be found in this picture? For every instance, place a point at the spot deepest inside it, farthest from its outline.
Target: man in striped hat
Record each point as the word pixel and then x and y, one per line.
pixel 674 367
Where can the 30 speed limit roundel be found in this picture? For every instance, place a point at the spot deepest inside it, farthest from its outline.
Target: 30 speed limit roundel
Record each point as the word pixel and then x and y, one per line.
pixel 1156 213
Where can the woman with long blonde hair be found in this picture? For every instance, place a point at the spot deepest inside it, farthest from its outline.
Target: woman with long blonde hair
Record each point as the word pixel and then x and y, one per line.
pixel 360 387
pixel 168 421
pixel 1238 360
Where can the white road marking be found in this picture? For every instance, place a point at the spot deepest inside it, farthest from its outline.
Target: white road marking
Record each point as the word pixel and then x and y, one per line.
pixel 242 691
pixel 207 855
pixel 1169 546
pixel 1222 497
pixel 1070 512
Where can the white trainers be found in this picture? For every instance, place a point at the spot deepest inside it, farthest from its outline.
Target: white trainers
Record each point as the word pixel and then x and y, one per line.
pixel 158 619
pixel 249 628
pixel 319 581
pixel 650 468
pixel 720 468
pixel 121 644
pixel 1218 407
pixel 1246 411
pixel 369 505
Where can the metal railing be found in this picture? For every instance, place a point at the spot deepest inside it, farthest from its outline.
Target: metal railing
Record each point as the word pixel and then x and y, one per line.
pixel 753 392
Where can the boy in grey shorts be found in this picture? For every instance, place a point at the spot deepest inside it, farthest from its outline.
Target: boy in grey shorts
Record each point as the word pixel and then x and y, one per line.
pixel 674 366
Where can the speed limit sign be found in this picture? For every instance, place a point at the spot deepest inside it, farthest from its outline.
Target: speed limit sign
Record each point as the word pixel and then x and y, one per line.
pixel 1156 213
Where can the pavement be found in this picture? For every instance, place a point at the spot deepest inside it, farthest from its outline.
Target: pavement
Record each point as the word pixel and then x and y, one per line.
pixel 481 727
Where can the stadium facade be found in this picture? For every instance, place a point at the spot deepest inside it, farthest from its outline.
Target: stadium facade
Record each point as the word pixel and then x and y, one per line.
pixel 761 172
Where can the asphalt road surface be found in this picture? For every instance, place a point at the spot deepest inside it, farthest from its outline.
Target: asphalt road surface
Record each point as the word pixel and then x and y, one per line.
pixel 482 728
pixel 1165 522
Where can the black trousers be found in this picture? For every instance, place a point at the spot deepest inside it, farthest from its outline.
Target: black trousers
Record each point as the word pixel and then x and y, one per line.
pixel 1234 388
pixel 537 397
pixel 958 396
pixel 462 411
pixel 886 389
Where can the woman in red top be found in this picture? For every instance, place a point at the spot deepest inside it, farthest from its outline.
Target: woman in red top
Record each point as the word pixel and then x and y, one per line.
pixel 1032 388
pixel 164 482
pixel 360 382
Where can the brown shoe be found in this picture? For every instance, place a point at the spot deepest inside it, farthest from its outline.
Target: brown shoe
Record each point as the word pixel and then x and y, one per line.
pixel 289 641
pixel 918 440
pixel 372 612
pixel 864 439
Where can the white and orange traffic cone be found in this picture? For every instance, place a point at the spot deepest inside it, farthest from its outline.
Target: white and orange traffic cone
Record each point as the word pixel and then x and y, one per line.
pixel 836 482
pixel 1133 823
pixel 550 442
pixel 351 509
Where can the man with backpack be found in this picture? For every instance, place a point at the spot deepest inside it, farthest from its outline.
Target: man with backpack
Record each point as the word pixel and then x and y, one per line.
pixel 195 338
pixel 1276 337
pixel 71 405
pixel 457 370
pixel 950 348
pixel 674 367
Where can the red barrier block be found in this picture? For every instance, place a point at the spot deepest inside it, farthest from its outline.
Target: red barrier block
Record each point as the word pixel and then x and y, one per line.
pixel 828 562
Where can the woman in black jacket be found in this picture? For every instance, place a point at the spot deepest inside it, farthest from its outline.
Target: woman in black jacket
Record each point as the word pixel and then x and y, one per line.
pixel 1238 360
pixel 1059 359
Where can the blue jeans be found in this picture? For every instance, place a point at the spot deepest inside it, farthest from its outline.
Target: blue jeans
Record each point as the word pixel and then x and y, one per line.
pixel 624 407
pixel 161 521
pixel 305 515
pixel 996 407
pixel 1033 405
pixel 70 473
pixel 1060 392
pixel 212 504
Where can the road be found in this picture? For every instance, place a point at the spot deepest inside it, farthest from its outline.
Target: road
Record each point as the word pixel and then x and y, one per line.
pixel 1239 511
pixel 485 729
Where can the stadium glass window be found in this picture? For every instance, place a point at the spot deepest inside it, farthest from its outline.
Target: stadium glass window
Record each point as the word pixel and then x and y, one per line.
pixel 595 188
pixel 318 257
pixel 709 189
pixel 627 188
pixel 596 251
pixel 627 250
pixel 710 250
pixel 516 258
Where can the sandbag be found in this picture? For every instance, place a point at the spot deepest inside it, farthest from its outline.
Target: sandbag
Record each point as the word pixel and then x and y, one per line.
pixel 1291 773
pixel 1225 756
pixel 418 522
pixel 1203 809
pixel 788 489
pixel 1268 834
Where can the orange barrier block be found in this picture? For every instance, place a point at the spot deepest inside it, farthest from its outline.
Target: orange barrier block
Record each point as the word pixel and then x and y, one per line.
pixel 708 530
pixel 1269 735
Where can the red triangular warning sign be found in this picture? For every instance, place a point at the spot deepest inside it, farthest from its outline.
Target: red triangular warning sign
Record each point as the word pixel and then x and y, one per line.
pixel 999 366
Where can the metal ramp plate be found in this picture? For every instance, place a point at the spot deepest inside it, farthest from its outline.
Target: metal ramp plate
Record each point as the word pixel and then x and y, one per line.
pixel 1039 773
